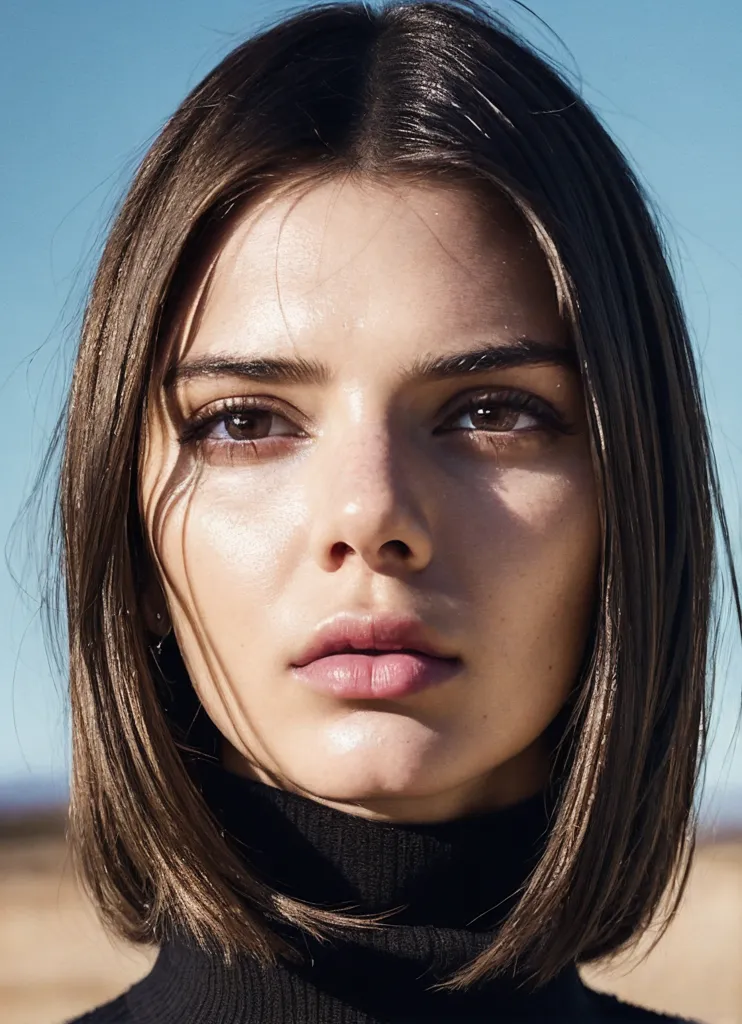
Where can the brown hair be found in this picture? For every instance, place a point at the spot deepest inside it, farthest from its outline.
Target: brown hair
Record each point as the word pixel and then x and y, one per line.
pixel 423 89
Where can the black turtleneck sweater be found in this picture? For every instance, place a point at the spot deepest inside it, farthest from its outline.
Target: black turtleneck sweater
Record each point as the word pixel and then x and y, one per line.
pixel 456 879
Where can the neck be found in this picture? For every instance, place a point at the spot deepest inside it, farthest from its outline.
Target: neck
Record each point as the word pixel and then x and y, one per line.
pixel 446 885
pixel 444 873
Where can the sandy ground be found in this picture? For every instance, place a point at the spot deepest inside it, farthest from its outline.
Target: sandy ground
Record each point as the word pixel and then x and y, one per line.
pixel 55 960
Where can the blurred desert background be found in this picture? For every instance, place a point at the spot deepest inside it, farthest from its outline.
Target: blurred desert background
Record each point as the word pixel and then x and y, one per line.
pixel 56 961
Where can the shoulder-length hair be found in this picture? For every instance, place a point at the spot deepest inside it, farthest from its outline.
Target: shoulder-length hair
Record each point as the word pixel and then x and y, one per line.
pixel 426 90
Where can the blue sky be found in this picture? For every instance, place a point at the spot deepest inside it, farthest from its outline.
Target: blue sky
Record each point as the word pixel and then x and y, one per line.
pixel 88 84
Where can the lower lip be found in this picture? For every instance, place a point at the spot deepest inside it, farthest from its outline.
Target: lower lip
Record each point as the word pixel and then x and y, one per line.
pixel 370 676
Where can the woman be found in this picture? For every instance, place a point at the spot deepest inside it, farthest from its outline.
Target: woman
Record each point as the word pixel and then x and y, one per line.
pixel 387 515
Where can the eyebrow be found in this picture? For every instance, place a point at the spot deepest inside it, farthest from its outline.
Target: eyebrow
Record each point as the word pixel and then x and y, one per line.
pixel 282 370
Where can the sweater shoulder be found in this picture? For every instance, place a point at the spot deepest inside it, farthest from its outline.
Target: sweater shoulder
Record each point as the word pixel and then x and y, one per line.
pixel 610 1008
pixel 113 1012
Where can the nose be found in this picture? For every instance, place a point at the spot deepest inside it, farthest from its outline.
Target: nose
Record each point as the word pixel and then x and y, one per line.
pixel 367 501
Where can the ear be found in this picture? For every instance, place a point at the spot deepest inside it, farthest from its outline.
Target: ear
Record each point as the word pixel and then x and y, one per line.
pixel 154 605
pixel 152 601
pixel 155 611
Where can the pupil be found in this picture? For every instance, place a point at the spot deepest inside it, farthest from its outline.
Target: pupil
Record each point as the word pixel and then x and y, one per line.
pixel 240 424
pixel 488 414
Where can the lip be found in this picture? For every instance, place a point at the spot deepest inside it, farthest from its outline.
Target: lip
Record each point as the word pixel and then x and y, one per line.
pixel 370 632
pixel 336 661
pixel 375 676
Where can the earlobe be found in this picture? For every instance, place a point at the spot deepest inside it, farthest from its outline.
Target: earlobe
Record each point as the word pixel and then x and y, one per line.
pixel 156 616
pixel 154 609
pixel 163 624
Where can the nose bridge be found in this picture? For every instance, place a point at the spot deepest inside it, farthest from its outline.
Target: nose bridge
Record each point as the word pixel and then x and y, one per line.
pixel 364 451
pixel 364 470
pixel 364 493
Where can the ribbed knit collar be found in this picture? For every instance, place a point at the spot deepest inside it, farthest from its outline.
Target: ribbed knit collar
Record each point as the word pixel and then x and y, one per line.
pixel 462 873
pixel 454 881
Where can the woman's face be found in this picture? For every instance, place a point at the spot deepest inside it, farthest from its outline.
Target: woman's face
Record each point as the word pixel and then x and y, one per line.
pixel 463 498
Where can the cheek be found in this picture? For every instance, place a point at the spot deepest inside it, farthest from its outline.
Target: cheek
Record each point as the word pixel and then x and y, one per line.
pixel 229 551
pixel 553 557
pixel 534 528
pixel 553 523
pixel 529 570
pixel 228 547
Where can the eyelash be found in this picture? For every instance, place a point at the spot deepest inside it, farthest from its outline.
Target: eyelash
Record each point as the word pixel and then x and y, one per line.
pixel 197 428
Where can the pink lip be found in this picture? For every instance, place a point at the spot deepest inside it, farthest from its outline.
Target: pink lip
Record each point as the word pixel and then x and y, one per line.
pixel 367 632
pixel 368 676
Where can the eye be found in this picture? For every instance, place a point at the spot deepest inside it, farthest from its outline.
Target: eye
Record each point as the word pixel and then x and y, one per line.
pixel 503 412
pixel 247 425
pixel 239 420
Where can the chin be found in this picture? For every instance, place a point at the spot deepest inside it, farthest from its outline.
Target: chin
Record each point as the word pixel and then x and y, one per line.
pixel 369 762
pixel 366 779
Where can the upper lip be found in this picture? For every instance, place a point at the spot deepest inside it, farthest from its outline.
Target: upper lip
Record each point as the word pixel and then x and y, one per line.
pixel 370 632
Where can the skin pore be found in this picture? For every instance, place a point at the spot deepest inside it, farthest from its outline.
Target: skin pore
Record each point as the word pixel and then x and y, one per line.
pixel 465 499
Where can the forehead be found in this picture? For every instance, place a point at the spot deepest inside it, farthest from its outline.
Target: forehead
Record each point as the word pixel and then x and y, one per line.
pixel 353 260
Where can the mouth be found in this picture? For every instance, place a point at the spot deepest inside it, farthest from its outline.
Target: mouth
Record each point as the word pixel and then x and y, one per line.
pixel 373 652
pixel 372 674
pixel 363 655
